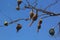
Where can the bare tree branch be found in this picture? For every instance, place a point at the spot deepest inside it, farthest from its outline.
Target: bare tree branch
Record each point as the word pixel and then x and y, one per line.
pixel 44 11
pixel 18 20
pixel 28 2
pixel 51 4
pixel 35 3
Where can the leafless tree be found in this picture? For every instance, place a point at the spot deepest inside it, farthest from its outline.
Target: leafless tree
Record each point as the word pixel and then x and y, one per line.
pixel 34 16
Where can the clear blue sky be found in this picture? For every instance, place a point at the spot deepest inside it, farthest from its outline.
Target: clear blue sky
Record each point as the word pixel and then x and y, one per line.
pixel 8 8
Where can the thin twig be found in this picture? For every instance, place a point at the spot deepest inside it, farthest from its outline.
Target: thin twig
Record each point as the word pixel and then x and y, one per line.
pixel 51 4
pixel 28 2
pixel 19 20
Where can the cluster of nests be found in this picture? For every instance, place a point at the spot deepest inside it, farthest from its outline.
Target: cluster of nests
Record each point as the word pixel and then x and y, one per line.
pixel 34 18
pixel 19 26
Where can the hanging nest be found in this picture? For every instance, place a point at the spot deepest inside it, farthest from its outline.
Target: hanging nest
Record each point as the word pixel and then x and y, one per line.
pixel 31 14
pixel 5 23
pixel 52 31
pixel 19 26
pixel 17 8
pixel 19 2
